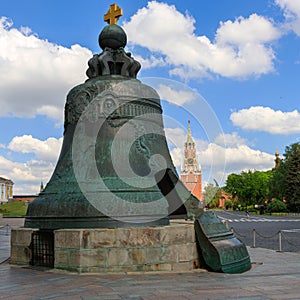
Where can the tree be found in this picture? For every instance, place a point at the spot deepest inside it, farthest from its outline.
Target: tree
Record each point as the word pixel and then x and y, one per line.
pixel 276 206
pixel 277 182
pixel 285 180
pixel 249 187
pixel 260 186
pixel 228 203
pixel 281 183
pixel 234 186
pixel 292 179
pixel 212 195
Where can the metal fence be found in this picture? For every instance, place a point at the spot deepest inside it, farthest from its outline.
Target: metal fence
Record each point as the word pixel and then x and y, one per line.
pixel 283 240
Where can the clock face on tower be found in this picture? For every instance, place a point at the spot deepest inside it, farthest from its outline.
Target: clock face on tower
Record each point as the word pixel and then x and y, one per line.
pixel 190 161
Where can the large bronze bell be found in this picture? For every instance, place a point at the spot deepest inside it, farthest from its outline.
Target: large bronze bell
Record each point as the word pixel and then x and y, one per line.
pixel 115 168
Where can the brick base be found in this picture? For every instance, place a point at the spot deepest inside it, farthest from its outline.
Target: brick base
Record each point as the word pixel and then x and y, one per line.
pixel 166 248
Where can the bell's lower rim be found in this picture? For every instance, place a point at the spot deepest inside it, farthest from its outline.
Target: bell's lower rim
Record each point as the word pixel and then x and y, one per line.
pixel 95 222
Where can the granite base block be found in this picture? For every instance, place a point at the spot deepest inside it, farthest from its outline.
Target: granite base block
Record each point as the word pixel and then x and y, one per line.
pixel 144 249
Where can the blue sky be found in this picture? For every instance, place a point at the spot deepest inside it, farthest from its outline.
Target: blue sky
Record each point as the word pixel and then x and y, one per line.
pixel 232 67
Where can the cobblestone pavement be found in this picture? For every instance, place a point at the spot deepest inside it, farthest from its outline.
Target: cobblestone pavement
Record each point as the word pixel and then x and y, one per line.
pixel 274 275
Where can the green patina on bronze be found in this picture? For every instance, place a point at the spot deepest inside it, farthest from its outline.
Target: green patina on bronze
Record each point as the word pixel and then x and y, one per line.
pixel 113 123
pixel 115 169
pixel 220 249
pixel 112 36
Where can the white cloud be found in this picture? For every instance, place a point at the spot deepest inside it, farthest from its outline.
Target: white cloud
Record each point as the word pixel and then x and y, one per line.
pixel 244 31
pixel 237 41
pixel 47 150
pixel 291 10
pixel 150 62
pixel 175 137
pixel 177 157
pixel 238 158
pixel 36 74
pixel 26 176
pixel 235 155
pixel 177 97
pixel 55 113
pixel 170 34
pixel 217 162
pixel 266 119
pixel 230 140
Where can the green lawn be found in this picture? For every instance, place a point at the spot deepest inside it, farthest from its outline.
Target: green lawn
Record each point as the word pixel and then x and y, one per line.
pixel 13 209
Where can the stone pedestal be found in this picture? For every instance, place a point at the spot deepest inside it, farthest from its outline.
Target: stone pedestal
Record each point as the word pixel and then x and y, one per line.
pixel 20 246
pixel 165 248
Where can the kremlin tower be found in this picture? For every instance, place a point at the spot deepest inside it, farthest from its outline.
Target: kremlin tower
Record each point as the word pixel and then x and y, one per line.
pixel 191 174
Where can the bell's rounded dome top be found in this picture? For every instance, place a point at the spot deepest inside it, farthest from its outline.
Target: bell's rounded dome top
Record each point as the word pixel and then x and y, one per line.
pixel 112 36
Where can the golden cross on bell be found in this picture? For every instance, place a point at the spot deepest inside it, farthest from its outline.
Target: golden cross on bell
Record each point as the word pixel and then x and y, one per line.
pixel 113 14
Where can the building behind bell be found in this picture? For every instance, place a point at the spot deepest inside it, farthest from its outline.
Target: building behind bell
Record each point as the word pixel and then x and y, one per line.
pixel 191 174
pixel 6 189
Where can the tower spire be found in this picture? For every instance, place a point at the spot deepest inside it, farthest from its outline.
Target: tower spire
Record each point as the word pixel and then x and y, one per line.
pixel 189 138
pixel 41 186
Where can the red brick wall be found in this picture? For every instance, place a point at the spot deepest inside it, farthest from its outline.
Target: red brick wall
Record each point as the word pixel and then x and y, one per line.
pixel 23 198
